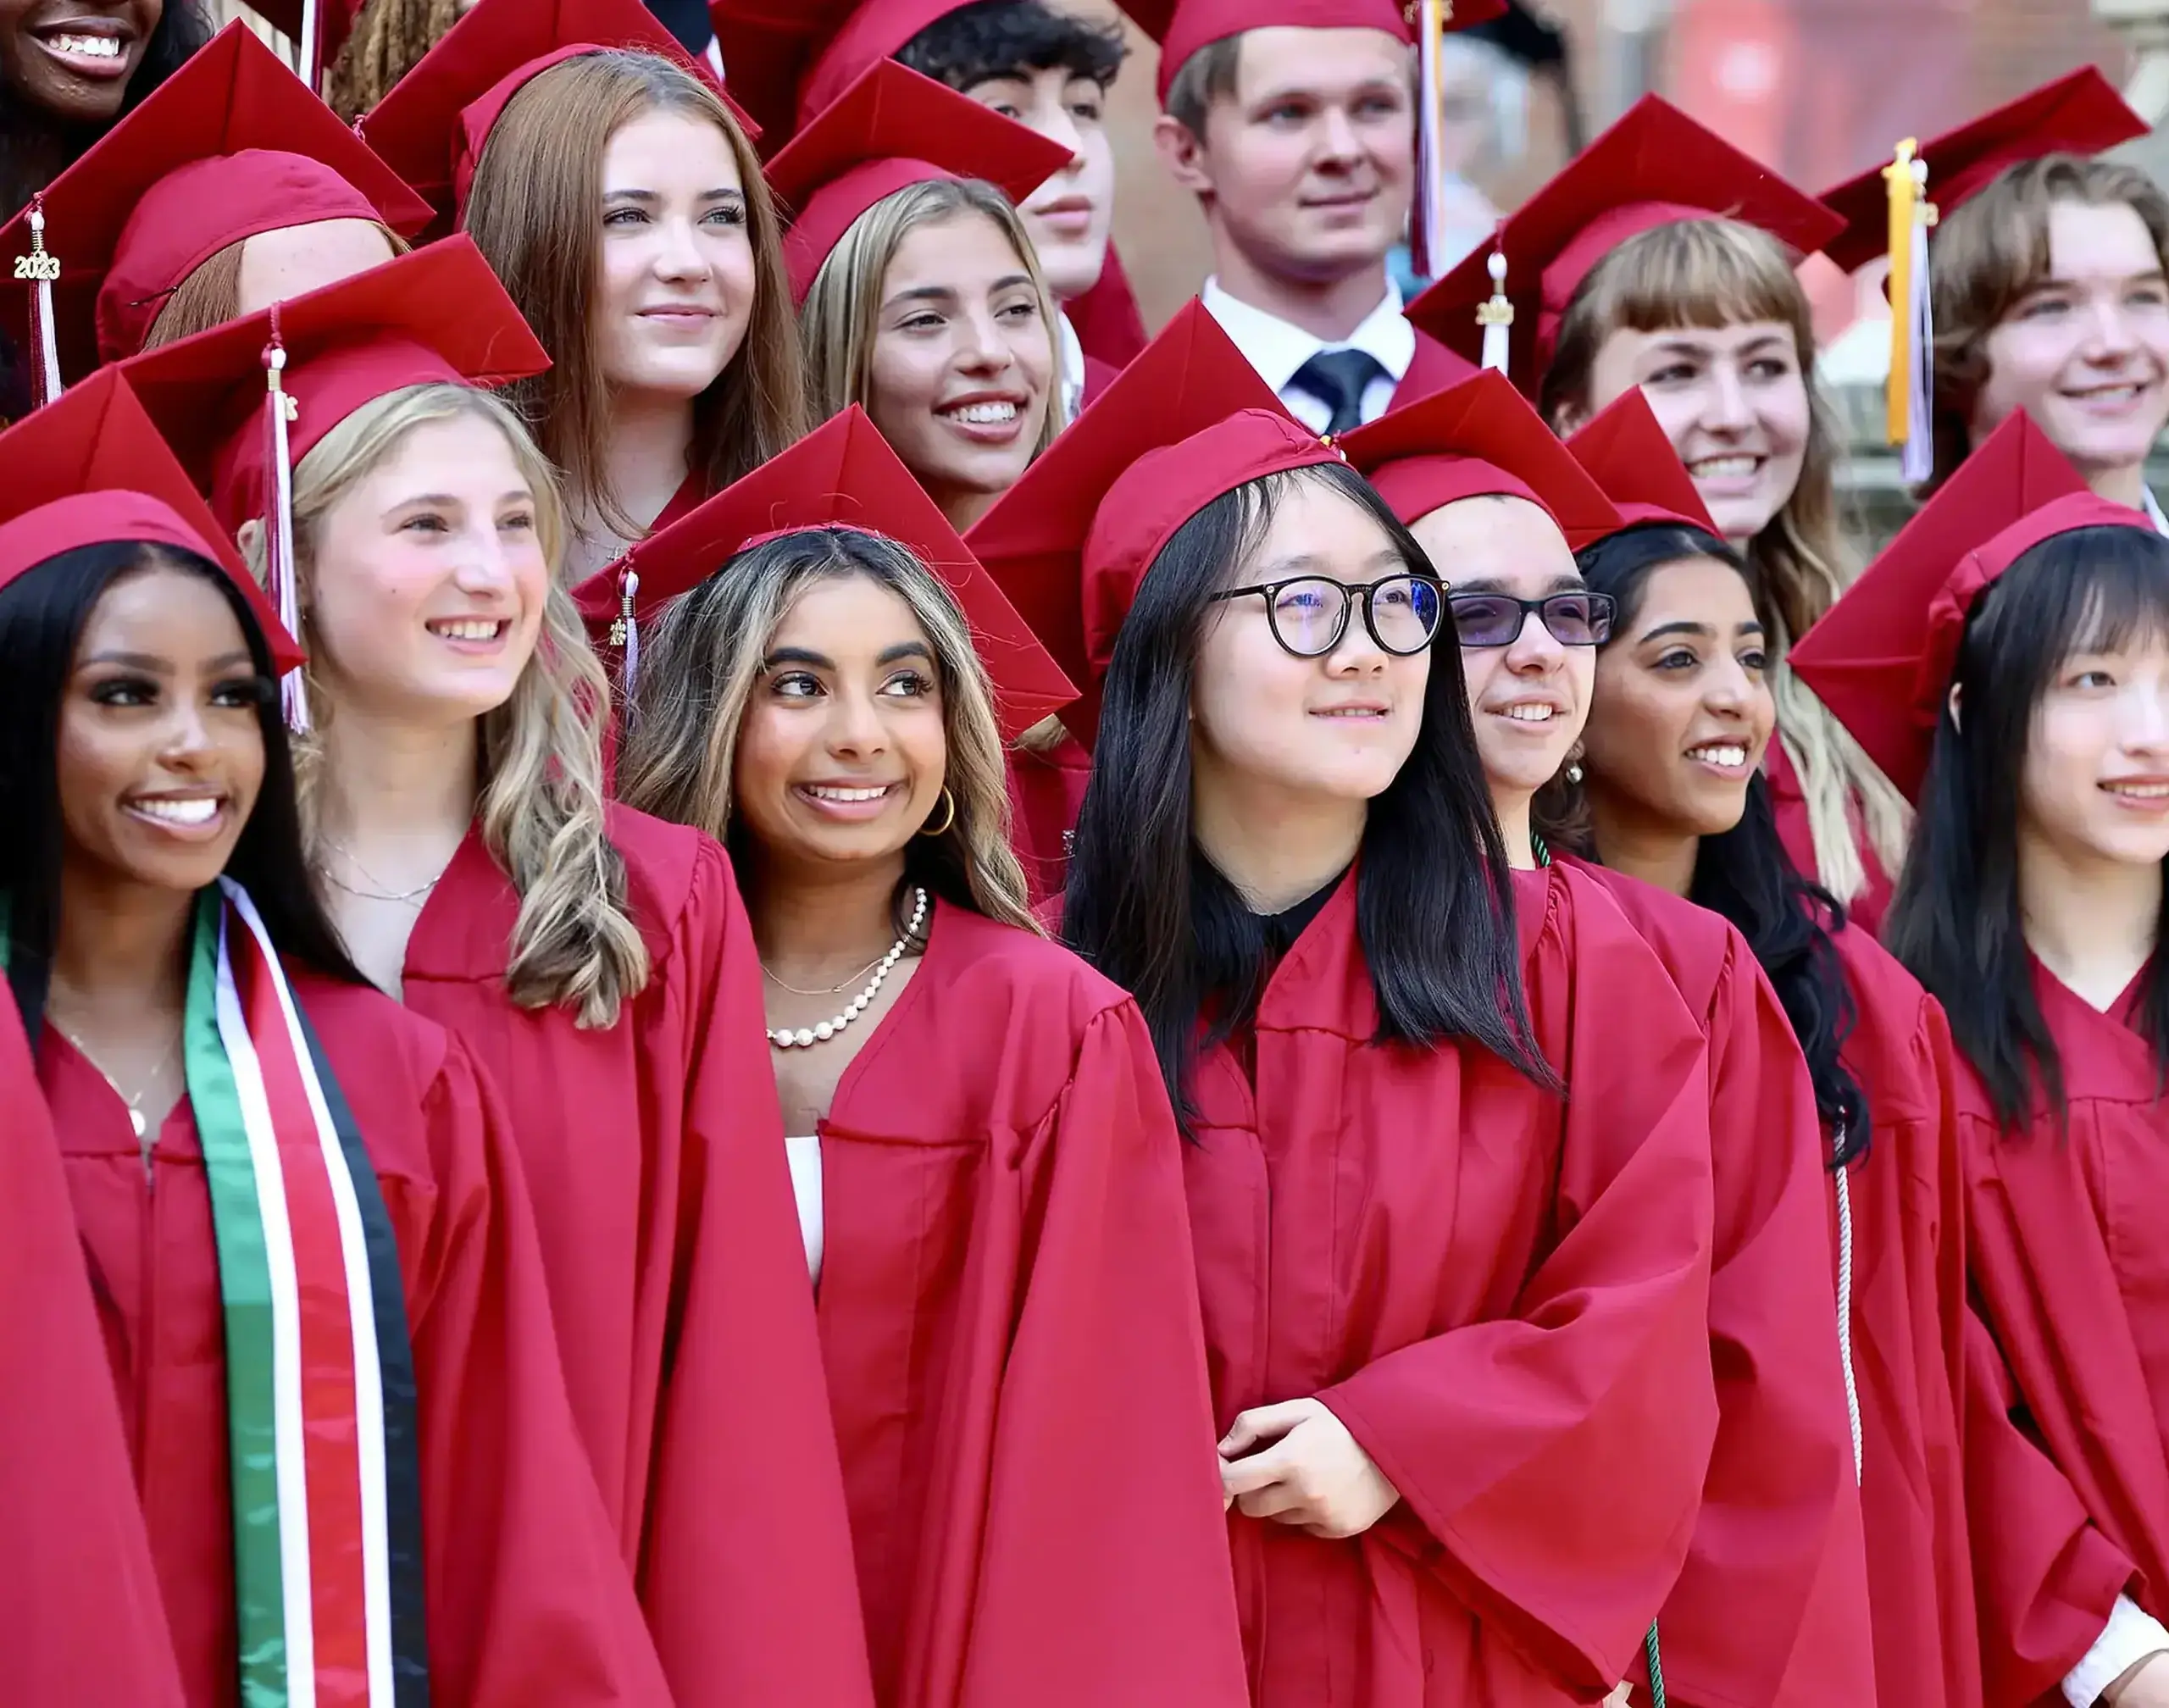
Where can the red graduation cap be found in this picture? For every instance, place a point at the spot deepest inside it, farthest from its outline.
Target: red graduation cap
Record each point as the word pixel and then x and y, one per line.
pixel 890 128
pixel 1882 658
pixel 238 400
pixel 231 145
pixel 437 313
pixel 1186 421
pixel 2081 113
pixel 1472 439
pixel 793 58
pixel 1625 449
pixel 1181 27
pixel 91 469
pixel 432 125
pixel 842 474
pixel 1654 167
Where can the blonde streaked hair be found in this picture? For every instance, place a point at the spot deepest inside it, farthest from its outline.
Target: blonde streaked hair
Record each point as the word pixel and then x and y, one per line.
pixel 542 807
pixel 389 39
pixel 534 212
pixel 704 656
pixel 1991 252
pixel 841 316
pixel 1711 273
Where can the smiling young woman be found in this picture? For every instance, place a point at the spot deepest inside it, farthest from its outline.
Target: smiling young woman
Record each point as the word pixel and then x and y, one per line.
pixel 921 297
pixel 1484 484
pixel 1287 853
pixel 193 1011
pixel 2019 633
pixel 598 962
pixel 1681 285
pixel 616 195
pixel 67 72
pixel 989 1178
pixel 1680 718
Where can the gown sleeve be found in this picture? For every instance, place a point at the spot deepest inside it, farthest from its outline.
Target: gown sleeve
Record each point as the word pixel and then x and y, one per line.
pixel 2045 1575
pixel 1103 1576
pixel 81 1620
pixel 529 1602
pixel 1777 1563
pixel 746 1572
pixel 1553 1460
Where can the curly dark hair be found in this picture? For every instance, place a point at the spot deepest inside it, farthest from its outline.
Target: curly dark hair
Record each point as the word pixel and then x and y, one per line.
pixel 1000 38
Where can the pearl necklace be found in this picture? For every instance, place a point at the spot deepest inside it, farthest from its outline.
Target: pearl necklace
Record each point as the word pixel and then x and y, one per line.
pixel 784 1038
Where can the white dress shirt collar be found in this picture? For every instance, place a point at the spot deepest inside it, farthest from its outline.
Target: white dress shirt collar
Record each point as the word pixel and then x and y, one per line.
pixel 1277 347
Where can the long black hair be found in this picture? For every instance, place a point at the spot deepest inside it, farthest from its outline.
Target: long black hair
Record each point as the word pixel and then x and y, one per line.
pixel 1954 921
pixel 1745 873
pixel 183 27
pixel 1434 905
pixel 42 615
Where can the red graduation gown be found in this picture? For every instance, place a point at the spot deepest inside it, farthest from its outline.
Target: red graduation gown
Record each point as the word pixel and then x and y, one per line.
pixel 2071 1275
pixel 1908 1322
pixel 1776 1570
pixel 80 1617
pixel 654 1152
pixel 1435 369
pixel 1012 1344
pixel 1046 790
pixel 1789 802
pixel 1504 1298
pixel 527 1604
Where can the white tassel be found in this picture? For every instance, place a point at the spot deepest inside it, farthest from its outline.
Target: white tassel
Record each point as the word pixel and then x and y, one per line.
pixel 1426 245
pixel 1918 462
pixel 41 269
pixel 311 33
pixel 286 574
pixel 1496 317
pixel 625 634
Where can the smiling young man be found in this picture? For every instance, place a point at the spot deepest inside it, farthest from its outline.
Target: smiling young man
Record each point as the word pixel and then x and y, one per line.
pixel 1293 122
pixel 2051 280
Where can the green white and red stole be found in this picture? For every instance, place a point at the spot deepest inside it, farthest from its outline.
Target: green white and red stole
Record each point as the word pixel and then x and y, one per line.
pixel 320 1369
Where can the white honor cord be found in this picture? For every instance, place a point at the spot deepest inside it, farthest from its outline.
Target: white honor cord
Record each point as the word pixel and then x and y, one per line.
pixel 1845 1313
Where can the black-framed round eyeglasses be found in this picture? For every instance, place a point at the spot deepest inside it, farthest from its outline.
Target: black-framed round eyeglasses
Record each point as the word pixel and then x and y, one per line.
pixel 1309 613
pixel 1495 619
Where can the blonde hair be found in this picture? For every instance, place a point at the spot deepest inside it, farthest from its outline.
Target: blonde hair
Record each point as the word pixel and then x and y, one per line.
pixel 210 296
pixel 702 658
pixel 532 212
pixel 841 316
pixel 1719 273
pixel 389 40
pixel 541 805
pixel 1992 249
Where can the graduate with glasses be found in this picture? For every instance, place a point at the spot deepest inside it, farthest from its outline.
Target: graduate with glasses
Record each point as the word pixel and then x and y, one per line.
pixel 1488 489
pixel 1455 1320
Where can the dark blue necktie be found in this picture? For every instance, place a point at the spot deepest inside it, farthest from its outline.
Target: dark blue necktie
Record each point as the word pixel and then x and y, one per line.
pixel 1338 379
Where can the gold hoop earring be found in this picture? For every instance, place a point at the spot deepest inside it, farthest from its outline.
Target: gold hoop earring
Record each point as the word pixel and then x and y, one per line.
pixel 942 829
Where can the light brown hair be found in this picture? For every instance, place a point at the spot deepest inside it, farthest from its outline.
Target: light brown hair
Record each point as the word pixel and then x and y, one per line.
pixel 1208 75
pixel 1712 273
pixel 841 316
pixel 705 655
pixel 534 213
pixel 211 294
pixel 1991 252
pixel 389 40
pixel 542 809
